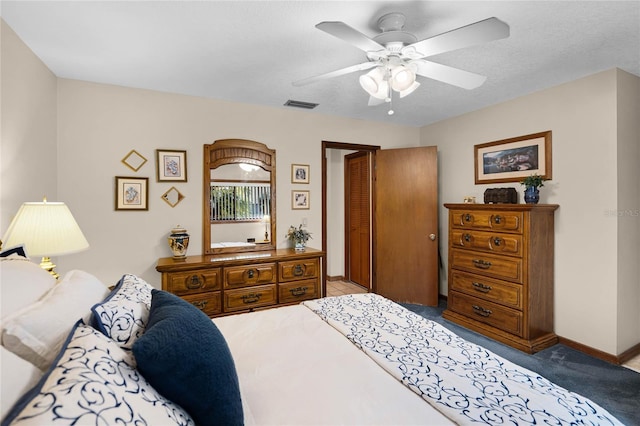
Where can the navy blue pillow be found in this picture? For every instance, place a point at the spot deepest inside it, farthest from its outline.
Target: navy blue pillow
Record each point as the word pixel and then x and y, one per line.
pixel 19 250
pixel 184 356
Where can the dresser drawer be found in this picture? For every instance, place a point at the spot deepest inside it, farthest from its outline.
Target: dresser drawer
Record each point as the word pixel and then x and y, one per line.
pixel 249 275
pixel 502 292
pixel 298 291
pixel 487 219
pixel 503 318
pixel 209 303
pixel 183 283
pixel 298 269
pixel 510 244
pixel 250 297
pixel 502 267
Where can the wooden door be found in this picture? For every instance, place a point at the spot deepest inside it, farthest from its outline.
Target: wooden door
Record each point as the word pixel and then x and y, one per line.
pixel 406 225
pixel 358 218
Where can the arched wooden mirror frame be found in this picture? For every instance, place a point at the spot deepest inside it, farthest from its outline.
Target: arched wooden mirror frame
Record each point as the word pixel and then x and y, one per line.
pixel 236 151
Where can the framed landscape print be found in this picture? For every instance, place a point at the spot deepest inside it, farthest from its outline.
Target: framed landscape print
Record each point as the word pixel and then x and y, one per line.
pixel 511 160
pixel 300 200
pixel 299 173
pixel 171 165
pixel 132 193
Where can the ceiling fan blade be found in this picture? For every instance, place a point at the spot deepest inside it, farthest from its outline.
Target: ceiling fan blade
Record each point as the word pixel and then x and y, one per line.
pixel 336 73
pixel 350 35
pixel 449 75
pixel 469 35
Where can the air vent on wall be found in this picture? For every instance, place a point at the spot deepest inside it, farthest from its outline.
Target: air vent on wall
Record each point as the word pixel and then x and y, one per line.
pixel 300 104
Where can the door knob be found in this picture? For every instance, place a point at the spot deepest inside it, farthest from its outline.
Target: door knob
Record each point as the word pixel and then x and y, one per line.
pixel 432 237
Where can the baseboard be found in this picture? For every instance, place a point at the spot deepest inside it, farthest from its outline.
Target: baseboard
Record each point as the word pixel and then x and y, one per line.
pixel 596 353
pixel 336 278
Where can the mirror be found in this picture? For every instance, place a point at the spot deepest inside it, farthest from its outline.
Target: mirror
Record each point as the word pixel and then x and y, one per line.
pixel 239 189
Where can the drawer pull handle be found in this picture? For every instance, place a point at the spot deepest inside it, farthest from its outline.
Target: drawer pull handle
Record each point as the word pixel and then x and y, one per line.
pixel 497 241
pixel 481 311
pixel 251 273
pixel 497 219
pixel 194 282
pixel 481 287
pixel 298 291
pixel 467 237
pixel 251 298
pixel 200 304
pixel 298 270
pixel 482 264
pixel 467 217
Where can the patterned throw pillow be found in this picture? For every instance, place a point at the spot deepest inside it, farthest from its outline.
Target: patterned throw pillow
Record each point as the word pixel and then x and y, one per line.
pixel 123 315
pixel 93 382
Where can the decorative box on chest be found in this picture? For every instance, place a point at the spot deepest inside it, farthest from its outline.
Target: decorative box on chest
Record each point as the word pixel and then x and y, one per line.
pixel 233 283
pixel 501 272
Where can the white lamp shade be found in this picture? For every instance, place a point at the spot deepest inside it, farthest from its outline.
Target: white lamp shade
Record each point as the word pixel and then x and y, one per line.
pixel 372 80
pixel 410 90
pixel 402 78
pixel 45 229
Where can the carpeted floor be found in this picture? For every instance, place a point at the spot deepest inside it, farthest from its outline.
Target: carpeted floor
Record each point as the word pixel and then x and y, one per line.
pixel 615 388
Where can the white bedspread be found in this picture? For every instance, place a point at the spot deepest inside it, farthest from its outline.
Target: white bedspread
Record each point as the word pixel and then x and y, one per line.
pixel 296 370
pixel 465 381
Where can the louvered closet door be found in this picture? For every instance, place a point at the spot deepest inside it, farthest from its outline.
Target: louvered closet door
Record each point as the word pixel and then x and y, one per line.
pixel 358 220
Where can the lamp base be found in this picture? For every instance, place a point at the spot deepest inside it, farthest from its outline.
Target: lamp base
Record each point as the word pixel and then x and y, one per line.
pixel 48 266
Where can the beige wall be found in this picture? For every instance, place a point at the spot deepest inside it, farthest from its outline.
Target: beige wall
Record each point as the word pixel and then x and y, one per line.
pixel 28 127
pixel 100 124
pixel 67 138
pixel 590 276
pixel 628 211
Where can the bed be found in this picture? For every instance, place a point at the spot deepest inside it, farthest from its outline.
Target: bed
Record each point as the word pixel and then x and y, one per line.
pixel 77 352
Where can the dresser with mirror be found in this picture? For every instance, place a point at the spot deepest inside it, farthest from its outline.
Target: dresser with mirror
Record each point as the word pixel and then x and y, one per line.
pixel 240 268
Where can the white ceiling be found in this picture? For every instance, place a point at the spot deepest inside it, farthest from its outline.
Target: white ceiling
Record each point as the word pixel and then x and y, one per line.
pixel 251 51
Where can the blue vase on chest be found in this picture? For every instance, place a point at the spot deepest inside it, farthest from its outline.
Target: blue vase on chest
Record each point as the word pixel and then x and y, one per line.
pixel 531 195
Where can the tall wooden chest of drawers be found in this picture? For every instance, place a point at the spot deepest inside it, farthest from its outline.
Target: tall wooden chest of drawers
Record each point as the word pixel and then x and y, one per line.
pixel 233 283
pixel 501 272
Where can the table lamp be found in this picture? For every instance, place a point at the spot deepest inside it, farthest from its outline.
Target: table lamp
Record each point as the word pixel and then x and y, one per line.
pixel 45 229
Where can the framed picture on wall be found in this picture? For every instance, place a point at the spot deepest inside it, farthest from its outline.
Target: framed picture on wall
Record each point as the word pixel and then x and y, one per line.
pixel 299 173
pixel 511 160
pixel 300 200
pixel 132 193
pixel 171 165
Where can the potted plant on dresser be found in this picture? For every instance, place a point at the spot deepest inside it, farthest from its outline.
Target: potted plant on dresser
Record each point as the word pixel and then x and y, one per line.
pixel 298 237
pixel 532 184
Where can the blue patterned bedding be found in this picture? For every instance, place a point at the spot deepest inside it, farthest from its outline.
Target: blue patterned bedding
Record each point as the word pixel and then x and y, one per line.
pixel 464 381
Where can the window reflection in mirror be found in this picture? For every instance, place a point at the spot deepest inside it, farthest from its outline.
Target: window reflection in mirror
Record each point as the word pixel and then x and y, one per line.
pixel 240 194
pixel 239 207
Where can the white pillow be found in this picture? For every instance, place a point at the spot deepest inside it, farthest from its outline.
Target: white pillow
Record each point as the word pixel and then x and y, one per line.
pixel 22 282
pixel 95 382
pixel 18 376
pixel 38 332
pixel 124 314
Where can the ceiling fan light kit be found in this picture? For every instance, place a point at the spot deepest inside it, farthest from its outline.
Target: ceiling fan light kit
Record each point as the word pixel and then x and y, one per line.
pixel 397 58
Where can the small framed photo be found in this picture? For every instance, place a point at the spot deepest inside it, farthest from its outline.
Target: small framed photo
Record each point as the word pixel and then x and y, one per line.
pixel 132 193
pixel 171 165
pixel 299 173
pixel 134 160
pixel 511 160
pixel 300 200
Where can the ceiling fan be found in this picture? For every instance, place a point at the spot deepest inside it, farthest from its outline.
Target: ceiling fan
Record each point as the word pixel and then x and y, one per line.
pixel 397 57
